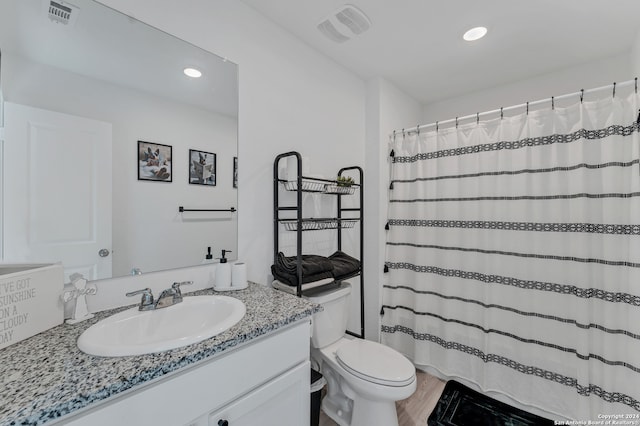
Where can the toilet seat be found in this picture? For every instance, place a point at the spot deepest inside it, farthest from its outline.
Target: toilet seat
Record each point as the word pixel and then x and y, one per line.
pixel 375 363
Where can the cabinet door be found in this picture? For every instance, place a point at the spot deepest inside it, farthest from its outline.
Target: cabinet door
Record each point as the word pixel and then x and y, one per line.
pixel 283 401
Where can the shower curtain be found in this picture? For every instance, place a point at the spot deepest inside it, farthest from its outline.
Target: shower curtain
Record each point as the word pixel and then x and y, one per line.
pixel 513 256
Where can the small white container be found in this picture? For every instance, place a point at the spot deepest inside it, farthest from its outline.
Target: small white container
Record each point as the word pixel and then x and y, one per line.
pixel 239 275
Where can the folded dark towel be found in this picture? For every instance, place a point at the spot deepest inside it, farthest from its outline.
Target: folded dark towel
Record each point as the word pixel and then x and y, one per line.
pixel 314 268
pixel 292 279
pixel 344 266
pixel 311 264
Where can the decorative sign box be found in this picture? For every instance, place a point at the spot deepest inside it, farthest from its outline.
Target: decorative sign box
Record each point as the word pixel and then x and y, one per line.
pixel 29 300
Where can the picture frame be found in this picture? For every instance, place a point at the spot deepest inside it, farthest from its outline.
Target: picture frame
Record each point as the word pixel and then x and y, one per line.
pixel 235 172
pixel 202 167
pixel 155 162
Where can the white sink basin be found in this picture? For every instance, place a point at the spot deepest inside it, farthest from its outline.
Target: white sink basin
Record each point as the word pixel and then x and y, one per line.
pixel 134 332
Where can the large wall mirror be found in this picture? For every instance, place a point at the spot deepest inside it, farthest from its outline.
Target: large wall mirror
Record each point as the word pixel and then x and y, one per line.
pixel 106 137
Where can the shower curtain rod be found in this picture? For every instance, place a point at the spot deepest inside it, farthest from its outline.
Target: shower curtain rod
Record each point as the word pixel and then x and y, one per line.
pixel 526 105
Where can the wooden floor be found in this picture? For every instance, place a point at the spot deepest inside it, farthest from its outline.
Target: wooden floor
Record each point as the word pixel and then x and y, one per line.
pixel 414 410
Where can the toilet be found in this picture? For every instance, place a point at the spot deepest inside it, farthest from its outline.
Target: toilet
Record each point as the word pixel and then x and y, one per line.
pixel 364 378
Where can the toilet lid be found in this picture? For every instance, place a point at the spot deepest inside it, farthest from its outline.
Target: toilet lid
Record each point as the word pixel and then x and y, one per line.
pixel 375 363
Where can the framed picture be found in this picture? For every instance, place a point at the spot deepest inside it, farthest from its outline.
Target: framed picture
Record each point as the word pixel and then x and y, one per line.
pixel 235 172
pixel 202 167
pixel 154 162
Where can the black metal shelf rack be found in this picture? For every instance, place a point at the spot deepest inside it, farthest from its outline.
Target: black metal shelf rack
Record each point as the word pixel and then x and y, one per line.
pixel 345 218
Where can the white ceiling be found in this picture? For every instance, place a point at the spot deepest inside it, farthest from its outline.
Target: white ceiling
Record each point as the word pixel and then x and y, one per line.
pixel 418 46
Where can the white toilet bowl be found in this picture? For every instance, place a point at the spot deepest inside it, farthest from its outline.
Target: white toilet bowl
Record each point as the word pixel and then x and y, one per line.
pixel 365 379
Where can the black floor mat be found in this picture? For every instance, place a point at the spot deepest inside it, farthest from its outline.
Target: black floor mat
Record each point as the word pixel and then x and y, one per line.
pixel 461 406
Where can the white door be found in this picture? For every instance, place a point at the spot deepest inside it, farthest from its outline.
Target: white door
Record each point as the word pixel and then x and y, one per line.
pixel 57 190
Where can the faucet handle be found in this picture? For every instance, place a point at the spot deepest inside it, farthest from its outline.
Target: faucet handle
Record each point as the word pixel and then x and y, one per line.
pixel 176 286
pixel 146 303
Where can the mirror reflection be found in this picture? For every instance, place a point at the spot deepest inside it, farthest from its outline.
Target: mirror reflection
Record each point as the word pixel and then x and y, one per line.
pixel 106 137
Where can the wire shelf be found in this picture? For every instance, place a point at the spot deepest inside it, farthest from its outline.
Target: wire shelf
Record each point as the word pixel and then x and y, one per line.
pixel 318 224
pixel 337 189
pixel 307 186
pixel 318 186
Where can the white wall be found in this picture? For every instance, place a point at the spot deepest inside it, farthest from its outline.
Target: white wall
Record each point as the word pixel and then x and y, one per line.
pixel 570 80
pixel 1 161
pixel 635 56
pixel 388 109
pixel 148 231
pixel 291 98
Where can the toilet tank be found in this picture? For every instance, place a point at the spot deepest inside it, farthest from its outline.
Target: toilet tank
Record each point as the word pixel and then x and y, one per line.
pixel 329 325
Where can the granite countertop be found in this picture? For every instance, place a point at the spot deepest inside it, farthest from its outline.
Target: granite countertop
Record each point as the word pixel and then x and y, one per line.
pixel 46 376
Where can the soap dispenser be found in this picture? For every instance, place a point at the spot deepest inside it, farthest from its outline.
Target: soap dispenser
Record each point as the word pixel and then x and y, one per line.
pixel 208 258
pixel 223 272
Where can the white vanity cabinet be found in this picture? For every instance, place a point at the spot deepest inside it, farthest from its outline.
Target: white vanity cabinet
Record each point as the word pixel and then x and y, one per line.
pixel 265 382
pixel 275 403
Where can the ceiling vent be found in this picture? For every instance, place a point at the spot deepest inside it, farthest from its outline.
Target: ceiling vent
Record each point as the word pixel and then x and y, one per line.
pixel 344 23
pixel 62 12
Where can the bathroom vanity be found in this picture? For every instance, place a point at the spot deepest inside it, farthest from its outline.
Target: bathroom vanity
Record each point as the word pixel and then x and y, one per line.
pixel 257 372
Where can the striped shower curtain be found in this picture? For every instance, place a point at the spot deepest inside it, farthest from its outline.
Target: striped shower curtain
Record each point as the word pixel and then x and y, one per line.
pixel 513 256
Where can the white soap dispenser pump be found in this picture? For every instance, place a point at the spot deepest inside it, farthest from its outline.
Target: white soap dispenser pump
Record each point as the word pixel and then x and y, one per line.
pixel 223 272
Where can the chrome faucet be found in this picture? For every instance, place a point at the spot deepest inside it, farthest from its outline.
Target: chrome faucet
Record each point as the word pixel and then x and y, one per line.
pixel 146 303
pixel 171 296
pixel 168 297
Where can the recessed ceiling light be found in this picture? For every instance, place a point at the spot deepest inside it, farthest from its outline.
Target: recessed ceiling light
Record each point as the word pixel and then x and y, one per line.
pixel 192 72
pixel 475 34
